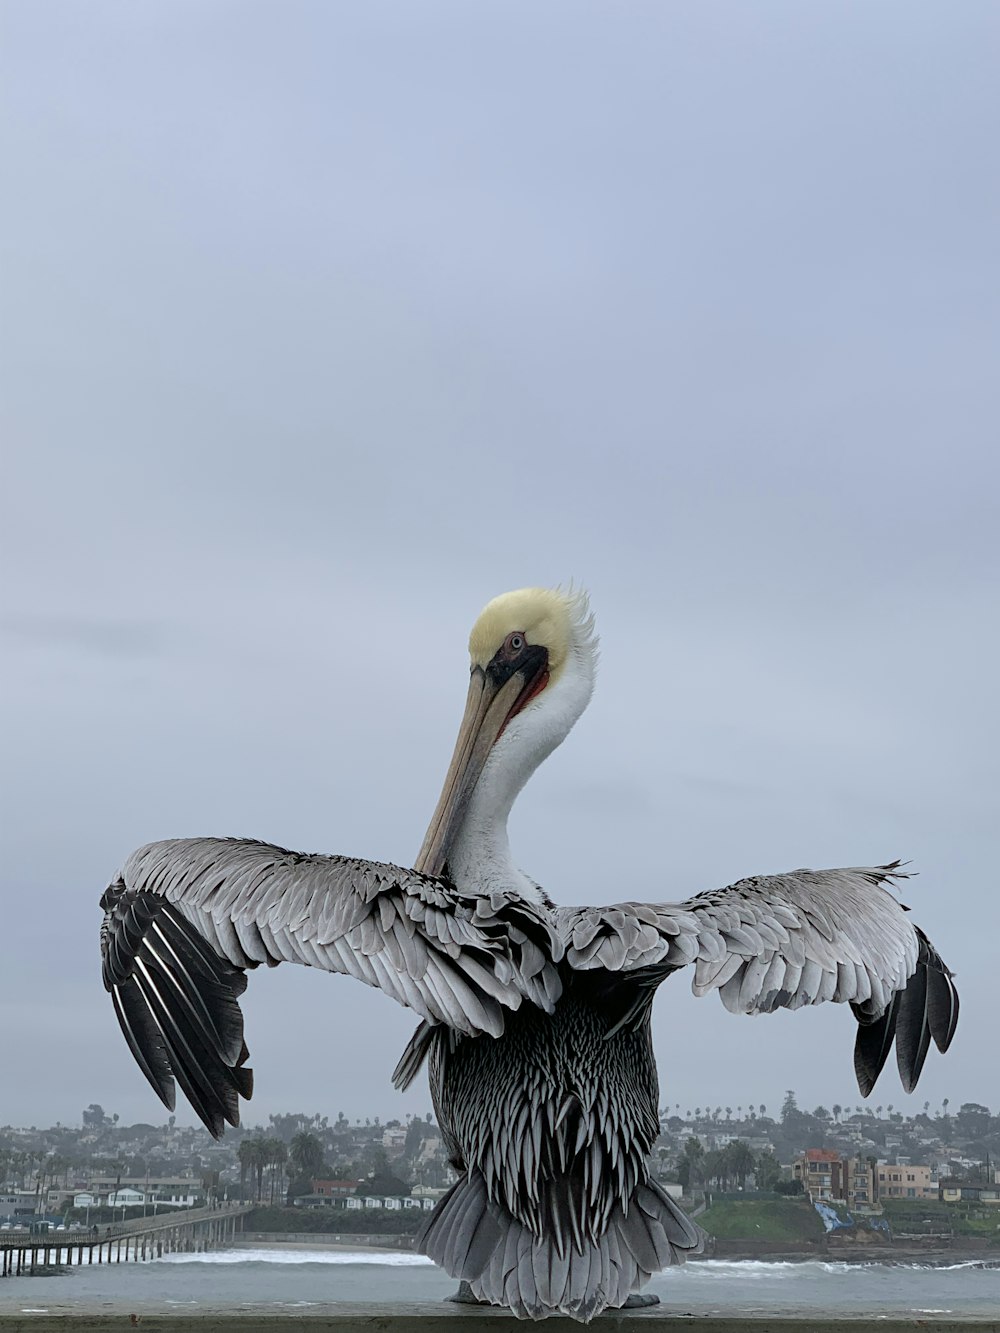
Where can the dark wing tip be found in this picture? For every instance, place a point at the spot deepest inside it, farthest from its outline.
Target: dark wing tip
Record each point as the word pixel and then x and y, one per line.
pixel 873 1043
pixel 925 1010
pixel 176 1002
pixel 942 1003
pixel 144 1041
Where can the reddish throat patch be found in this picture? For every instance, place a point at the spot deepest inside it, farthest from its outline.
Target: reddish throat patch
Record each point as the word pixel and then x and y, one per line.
pixel 531 691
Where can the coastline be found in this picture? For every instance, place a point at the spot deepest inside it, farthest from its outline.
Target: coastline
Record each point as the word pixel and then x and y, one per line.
pixel 270 1295
pixel 728 1251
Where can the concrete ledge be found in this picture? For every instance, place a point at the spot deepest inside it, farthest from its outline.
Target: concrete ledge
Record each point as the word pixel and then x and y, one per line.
pixel 433 1319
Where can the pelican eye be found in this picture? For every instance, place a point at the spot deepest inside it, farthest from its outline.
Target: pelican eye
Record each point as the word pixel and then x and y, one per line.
pixel 515 642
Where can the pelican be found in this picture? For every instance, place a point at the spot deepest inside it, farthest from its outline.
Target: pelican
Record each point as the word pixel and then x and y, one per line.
pixel 534 1018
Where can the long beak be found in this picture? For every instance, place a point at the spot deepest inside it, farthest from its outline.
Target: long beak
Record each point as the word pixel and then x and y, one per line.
pixel 487 710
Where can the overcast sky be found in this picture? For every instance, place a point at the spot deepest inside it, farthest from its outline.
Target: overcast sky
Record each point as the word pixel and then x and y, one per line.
pixel 323 324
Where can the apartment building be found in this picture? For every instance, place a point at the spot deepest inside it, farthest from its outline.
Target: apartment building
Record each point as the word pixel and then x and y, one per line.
pixel 827 1175
pixel 906 1182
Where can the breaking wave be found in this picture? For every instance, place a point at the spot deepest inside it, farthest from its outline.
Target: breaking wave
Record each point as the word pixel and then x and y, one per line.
pixel 390 1258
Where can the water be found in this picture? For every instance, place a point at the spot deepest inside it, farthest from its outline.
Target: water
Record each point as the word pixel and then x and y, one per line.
pixel 315 1281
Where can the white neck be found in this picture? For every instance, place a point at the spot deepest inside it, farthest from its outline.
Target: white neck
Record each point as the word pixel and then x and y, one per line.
pixel 479 859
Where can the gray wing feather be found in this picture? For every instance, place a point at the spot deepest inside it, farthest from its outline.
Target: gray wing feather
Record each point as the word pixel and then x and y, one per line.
pixel 227 905
pixel 256 903
pixel 784 941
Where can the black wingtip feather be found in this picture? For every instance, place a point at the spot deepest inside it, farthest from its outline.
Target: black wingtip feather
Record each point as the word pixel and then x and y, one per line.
pixel 942 1007
pixel 873 1044
pixel 144 1041
pixel 913 1036
pixel 925 1010
pixel 177 1005
pixel 195 1082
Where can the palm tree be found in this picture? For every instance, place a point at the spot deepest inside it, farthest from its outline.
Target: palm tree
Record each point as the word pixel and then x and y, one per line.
pixel 767 1170
pixel 716 1168
pixel 307 1155
pixel 246 1153
pixel 837 1112
pixel 257 1157
pixel 277 1156
pixel 739 1160
pixel 690 1162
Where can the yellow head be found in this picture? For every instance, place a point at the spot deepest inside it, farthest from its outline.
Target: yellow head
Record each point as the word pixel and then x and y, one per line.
pixel 543 617
pixel 521 648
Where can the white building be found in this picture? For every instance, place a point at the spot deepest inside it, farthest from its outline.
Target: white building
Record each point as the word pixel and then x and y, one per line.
pixel 126 1197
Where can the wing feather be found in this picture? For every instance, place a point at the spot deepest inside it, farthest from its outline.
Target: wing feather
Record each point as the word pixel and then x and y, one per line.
pixel 784 941
pixel 186 919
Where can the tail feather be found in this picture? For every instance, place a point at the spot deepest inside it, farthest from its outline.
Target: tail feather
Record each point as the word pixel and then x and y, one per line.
pixel 477 1240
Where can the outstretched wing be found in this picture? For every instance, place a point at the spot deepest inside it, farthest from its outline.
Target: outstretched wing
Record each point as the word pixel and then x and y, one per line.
pixel 783 941
pixel 186 918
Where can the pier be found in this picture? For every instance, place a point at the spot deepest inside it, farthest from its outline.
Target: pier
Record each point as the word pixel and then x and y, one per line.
pixel 192 1230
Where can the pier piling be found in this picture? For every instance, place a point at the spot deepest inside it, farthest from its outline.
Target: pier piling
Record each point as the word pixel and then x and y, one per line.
pixel 194 1230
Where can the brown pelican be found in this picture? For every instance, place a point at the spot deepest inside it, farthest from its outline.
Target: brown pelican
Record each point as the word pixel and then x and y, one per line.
pixel 535 1019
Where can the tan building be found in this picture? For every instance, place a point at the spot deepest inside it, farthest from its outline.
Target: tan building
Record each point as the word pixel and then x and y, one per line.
pixel 822 1173
pixel 858 1182
pixel 862 1184
pixel 906 1182
pixel 827 1175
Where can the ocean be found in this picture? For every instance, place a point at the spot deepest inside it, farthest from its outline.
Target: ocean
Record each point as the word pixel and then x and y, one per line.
pixel 316 1281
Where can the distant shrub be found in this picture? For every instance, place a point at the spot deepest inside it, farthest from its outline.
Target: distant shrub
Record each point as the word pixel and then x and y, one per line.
pixel 334 1221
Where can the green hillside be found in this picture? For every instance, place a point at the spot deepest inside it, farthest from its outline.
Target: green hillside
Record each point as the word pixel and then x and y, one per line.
pixel 922 1217
pixel 762 1219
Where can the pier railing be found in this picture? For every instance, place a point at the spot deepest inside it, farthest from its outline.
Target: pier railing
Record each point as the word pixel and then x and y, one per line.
pixel 189 1229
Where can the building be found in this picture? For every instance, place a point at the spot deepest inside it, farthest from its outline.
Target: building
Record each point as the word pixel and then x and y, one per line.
pixel 827 1175
pixel 168 1191
pixel 862 1185
pixel 823 1173
pixel 334 1189
pixel 431 1192
pixel 394 1141
pixel 127 1197
pixel 859 1181
pixel 960 1191
pixel 906 1182
pixel 19 1203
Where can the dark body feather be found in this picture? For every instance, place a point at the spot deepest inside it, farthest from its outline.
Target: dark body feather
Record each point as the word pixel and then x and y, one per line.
pixel 550 1125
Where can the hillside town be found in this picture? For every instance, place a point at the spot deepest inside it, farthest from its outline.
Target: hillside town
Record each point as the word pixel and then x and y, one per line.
pixel 311 1165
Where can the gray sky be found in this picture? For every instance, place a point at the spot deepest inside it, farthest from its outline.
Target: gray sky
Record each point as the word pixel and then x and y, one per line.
pixel 325 323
